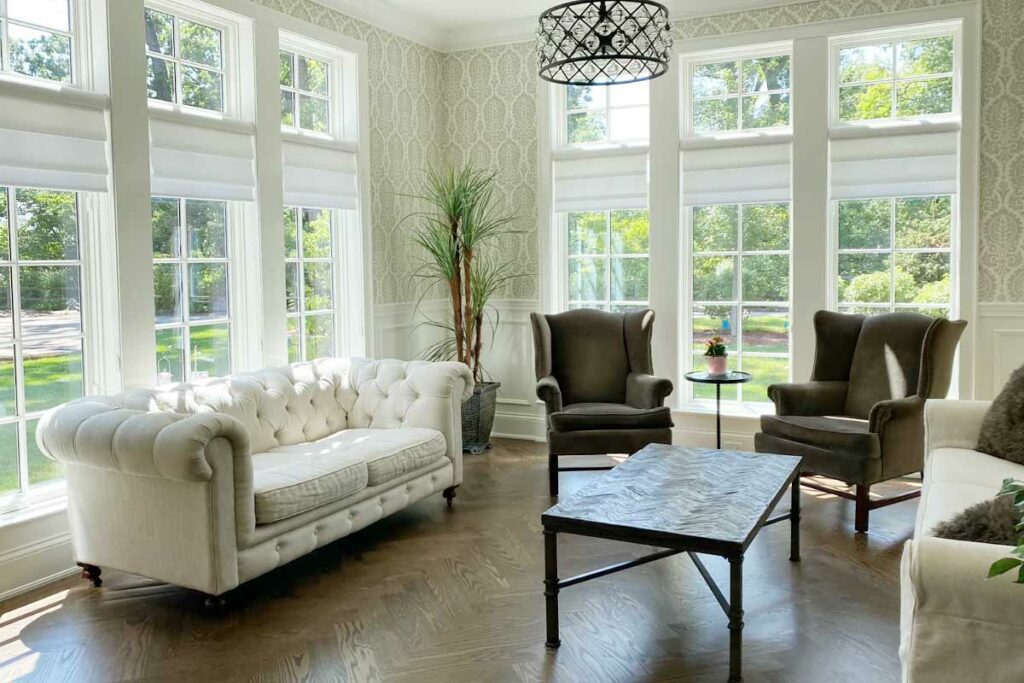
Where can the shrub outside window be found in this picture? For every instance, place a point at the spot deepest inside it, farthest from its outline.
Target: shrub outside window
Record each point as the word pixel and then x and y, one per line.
pixel 895 254
pixel 184 61
pixel 893 80
pixel 36 39
pixel 191 258
pixel 740 257
pixel 740 94
pixel 309 282
pixel 41 326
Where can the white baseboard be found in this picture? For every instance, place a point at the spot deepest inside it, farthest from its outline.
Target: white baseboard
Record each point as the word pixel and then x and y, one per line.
pixel 34 564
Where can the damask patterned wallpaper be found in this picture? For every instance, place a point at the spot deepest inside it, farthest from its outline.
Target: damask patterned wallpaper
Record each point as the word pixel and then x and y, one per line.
pixel 429 108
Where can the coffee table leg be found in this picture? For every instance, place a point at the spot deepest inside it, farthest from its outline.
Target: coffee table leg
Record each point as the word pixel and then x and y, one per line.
pixel 794 522
pixel 551 586
pixel 735 619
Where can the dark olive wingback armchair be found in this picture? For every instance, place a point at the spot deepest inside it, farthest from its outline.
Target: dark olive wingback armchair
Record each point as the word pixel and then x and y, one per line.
pixel 594 374
pixel 861 417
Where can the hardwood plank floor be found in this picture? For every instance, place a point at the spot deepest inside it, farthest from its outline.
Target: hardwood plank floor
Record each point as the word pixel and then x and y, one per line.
pixel 450 596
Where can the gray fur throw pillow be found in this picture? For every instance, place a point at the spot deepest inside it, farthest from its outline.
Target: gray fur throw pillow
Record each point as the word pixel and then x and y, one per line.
pixel 1002 432
pixel 990 521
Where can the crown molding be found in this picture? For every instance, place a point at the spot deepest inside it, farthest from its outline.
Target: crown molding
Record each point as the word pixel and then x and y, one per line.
pixel 422 29
pixel 383 15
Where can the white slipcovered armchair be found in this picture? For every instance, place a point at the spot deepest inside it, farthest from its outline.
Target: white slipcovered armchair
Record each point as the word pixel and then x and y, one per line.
pixel 209 485
pixel 957 625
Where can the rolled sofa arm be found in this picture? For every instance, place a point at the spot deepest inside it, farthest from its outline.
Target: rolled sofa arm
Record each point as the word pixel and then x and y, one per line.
pixel 956 624
pixel 953 424
pixel 99 433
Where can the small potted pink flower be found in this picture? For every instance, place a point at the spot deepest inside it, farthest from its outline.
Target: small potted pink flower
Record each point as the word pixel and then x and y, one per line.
pixel 716 356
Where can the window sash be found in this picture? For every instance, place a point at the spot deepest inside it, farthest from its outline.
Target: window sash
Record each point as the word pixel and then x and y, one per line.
pixel 179 62
pixel 300 261
pixel 5 53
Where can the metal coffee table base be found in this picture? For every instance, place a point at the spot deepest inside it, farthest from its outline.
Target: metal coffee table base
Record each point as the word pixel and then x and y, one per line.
pixel 733 606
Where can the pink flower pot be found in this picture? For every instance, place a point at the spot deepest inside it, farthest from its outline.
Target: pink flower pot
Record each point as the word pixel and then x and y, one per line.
pixel 716 365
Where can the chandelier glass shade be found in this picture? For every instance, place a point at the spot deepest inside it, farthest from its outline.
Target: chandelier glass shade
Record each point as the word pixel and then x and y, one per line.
pixel 604 42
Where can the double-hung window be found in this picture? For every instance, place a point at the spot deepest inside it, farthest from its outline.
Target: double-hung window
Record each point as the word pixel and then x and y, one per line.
pixel 41 325
pixel 736 160
pixel 309 282
pixel 36 38
pixel 895 187
pixel 600 198
pixel 185 60
pixel 191 263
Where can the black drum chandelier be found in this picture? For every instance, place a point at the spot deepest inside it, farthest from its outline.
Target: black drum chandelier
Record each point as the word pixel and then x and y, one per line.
pixel 605 42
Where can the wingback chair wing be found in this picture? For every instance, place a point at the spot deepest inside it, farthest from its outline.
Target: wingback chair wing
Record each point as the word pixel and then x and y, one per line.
pixel 595 376
pixel 861 417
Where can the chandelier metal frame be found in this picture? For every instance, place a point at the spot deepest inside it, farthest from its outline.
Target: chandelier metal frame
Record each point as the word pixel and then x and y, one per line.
pixel 604 42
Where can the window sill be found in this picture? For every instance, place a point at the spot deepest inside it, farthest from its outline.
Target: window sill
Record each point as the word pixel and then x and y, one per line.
pixel 33 511
pixel 732 409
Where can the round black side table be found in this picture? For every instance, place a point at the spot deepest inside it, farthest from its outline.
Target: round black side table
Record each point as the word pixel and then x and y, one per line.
pixel 733 377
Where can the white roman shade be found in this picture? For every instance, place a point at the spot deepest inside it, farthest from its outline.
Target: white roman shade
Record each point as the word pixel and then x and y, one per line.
pixel 53 139
pixel 202 159
pixel 733 173
pixel 319 174
pixel 600 180
pixel 891 164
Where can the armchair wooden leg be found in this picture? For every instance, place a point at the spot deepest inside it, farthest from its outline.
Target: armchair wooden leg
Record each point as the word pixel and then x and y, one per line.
pixel 863 507
pixel 92 573
pixel 552 474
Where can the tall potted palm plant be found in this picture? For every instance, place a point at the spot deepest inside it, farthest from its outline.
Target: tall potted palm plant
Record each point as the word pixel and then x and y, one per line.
pixel 453 234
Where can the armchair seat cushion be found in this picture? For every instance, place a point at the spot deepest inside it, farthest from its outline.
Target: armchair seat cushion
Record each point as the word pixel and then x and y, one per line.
pixel 587 416
pixel 844 435
pixel 293 479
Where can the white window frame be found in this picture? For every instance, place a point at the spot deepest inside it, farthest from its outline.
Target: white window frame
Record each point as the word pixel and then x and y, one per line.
pixel 300 261
pixel 897 34
pixel 79 58
pixel 606 257
pixel 28 496
pixel 342 123
pixel 738 304
pixel 183 261
pixel 233 35
pixel 561 132
pixel 691 60
pixel 892 251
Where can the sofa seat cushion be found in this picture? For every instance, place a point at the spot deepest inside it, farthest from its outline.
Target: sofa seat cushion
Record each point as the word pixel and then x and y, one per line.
pixel 846 436
pixel 293 479
pixel 957 478
pixel 585 416
pixel 390 453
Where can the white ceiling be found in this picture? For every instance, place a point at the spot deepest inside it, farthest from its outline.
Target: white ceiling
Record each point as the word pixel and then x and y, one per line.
pixel 462 24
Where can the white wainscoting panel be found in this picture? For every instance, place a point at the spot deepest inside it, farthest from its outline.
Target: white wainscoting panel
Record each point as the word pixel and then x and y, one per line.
pixel 999 346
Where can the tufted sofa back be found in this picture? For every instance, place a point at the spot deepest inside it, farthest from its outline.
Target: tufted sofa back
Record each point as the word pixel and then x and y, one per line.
pixel 297 403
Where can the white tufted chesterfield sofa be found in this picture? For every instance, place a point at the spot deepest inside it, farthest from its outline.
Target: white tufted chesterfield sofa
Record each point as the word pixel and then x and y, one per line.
pixel 209 485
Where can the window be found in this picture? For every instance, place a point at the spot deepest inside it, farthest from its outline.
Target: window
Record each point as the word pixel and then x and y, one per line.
pixel 309 282
pixel 898 79
pixel 184 61
pixel 608 260
pixel 740 94
pixel 36 38
pixel 616 113
pixel 41 333
pixel 740 292
pixel 305 93
pixel 895 254
pixel 190 271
